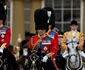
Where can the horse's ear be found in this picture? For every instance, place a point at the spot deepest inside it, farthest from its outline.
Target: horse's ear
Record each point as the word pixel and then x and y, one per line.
pixel 68 39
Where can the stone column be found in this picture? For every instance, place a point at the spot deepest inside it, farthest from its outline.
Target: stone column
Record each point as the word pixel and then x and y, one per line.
pixel 18 20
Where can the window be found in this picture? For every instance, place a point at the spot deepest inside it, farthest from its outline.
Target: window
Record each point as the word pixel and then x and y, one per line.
pixel 27 14
pixel 8 13
pixel 65 12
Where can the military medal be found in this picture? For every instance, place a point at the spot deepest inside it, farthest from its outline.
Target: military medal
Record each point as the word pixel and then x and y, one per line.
pixel 74 36
pixel 2 40
pixel 45 48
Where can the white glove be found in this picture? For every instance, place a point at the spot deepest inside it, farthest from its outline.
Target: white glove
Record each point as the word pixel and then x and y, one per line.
pixel 1 50
pixel 25 52
pixel 45 58
pixel 65 54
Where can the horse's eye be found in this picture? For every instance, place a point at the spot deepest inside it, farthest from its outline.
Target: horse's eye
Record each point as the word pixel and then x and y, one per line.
pixel 66 43
pixel 77 42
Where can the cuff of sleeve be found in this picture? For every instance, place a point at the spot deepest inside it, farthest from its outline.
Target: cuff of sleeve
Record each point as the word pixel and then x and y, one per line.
pixel 3 45
pixel 41 57
pixel 26 57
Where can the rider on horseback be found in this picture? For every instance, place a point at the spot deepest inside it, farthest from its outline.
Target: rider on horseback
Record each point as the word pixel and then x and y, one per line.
pixel 73 34
pixel 42 41
pixel 5 35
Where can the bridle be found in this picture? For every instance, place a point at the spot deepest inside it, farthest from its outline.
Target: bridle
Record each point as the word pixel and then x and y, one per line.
pixel 1 62
pixel 34 58
pixel 72 54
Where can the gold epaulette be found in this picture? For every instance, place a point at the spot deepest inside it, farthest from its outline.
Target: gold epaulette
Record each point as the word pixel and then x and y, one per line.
pixel 51 36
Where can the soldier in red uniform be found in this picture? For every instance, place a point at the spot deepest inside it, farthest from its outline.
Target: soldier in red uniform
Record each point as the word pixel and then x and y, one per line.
pixel 5 35
pixel 42 41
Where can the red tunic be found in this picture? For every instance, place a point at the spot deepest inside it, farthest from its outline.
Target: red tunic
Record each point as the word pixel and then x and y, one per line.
pixel 53 35
pixel 47 45
pixel 5 35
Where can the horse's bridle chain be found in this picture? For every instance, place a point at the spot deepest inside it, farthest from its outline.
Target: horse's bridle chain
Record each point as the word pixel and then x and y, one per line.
pixel 1 62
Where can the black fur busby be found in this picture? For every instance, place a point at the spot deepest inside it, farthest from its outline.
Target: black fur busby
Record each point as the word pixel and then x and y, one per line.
pixel 27 34
pixel 2 1
pixel 74 22
pixel 51 16
pixel 40 18
pixel 3 13
pixel 60 33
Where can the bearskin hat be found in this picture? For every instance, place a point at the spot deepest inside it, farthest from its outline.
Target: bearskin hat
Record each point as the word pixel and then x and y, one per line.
pixel 2 2
pixel 40 18
pixel 60 34
pixel 3 13
pixel 51 16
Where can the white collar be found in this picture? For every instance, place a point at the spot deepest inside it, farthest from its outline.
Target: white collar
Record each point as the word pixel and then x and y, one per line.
pixel 73 32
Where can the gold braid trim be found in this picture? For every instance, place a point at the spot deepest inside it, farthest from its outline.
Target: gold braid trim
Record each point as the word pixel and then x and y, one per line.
pixel 49 35
pixel 36 44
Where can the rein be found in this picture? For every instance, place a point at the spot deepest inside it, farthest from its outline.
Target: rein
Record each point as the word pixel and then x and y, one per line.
pixel 69 57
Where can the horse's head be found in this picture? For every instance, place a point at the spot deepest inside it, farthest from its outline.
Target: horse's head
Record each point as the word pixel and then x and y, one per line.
pixel 72 45
pixel 72 49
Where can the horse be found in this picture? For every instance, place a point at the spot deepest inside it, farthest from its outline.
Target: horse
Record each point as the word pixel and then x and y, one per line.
pixel 7 60
pixel 74 59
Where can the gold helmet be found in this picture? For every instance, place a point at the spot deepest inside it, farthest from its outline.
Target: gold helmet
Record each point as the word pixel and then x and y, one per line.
pixel 16 49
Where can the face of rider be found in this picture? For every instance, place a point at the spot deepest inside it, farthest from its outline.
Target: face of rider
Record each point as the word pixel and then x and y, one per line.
pixel 49 26
pixel 1 23
pixel 41 32
pixel 74 27
pixel 60 38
